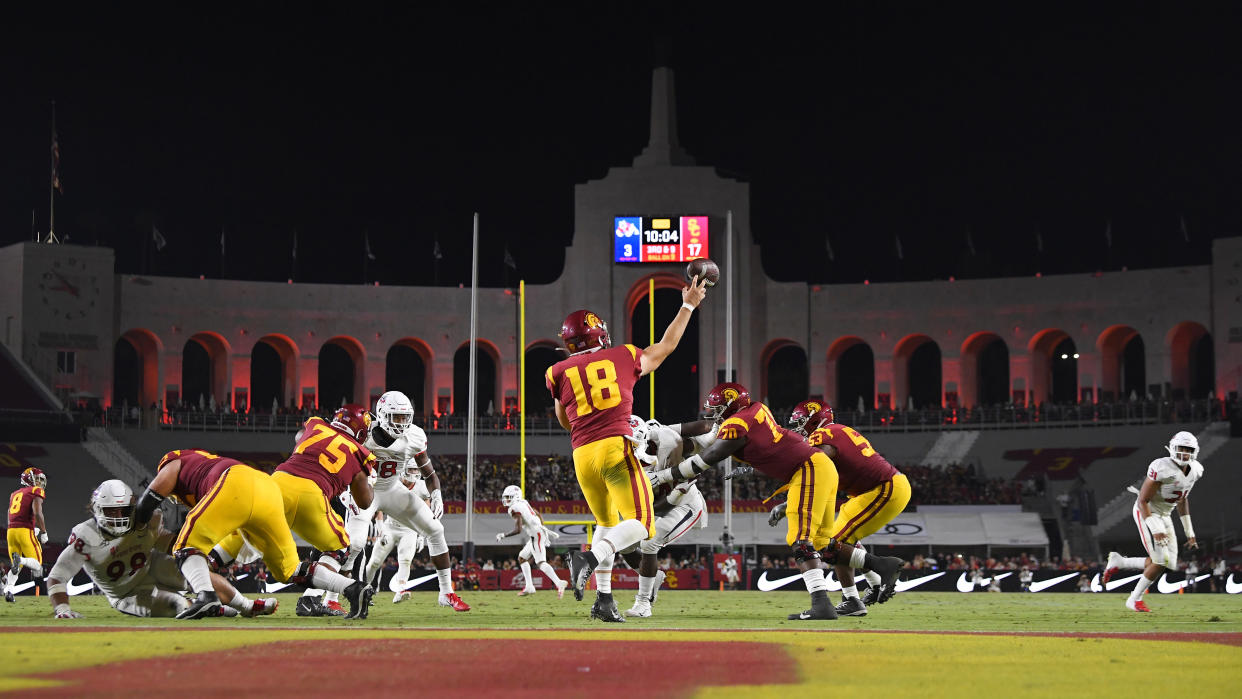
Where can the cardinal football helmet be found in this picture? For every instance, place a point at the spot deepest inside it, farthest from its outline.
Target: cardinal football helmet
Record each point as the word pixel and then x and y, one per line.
pixel 1183 448
pixel 394 412
pixel 511 495
pixel 583 331
pixel 353 420
pixel 34 478
pixel 112 504
pixel 725 399
pixel 809 415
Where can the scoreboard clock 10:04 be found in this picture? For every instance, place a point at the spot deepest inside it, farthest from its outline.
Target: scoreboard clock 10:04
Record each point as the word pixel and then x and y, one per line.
pixel 659 238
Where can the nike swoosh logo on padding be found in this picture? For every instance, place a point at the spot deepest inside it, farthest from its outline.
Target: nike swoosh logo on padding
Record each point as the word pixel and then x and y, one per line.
pixel 277 587
pixel 79 589
pixel 1167 587
pixel 417 581
pixel 768 585
pixel 17 589
pixel 1045 584
pixel 1232 587
pixel 964 585
pixel 1112 584
pixel 903 585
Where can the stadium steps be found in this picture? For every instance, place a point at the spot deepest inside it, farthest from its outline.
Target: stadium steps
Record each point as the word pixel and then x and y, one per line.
pixel 114 457
pixel 1119 508
pixel 950 448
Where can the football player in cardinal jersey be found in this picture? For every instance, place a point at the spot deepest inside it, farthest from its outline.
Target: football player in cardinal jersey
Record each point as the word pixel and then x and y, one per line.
pixel 593 396
pixel 27 530
pixel 399 444
pixel 528 522
pixel 1168 483
pixel 679 508
pixel 396 535
pixel 129 566
pixel 877 493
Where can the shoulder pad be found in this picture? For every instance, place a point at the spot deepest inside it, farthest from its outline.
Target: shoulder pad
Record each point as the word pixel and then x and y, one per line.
pixel 416 438
pixel 88 533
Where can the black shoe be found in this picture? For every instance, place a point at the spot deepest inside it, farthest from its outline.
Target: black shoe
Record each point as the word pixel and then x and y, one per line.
pixel 310 606
pixel 851 606
pixel 359 596
pixel 821 608
pixel 581 565
pixel 871 596
pixel 204 605
pixel 888 568
pixel 605 609
pixel 8 597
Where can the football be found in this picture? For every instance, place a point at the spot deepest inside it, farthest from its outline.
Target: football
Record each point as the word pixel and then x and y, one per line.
pixel 705 269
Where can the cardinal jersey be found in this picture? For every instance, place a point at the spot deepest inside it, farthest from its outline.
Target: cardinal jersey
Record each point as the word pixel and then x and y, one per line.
pixel 327 456
pixel 199 472
pixel 21 507
pixel 391 461
pixel 1174 485
pixel 859 466
pixel 770 448
pixel 597 390
pixel 117 564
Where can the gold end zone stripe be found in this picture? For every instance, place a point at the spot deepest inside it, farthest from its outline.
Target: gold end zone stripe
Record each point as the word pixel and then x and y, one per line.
pixel 198 510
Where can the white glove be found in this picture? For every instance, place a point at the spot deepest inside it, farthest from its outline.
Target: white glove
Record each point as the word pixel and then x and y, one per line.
pixel 437 504
pixel 500 536
pixel 777 514
pixel 41 535
pixel 551 534
pixel 63 611
pixel 664 475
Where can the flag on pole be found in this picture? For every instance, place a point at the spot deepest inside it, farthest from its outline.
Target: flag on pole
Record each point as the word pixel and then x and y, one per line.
pixel 56 163
pixel 295 244
pixel 832 255
pixel 1185 231
pixel 970 243
pixel 900 253
pixel 1108 234
pixel 1039 242
pixel 509 261
pixel 366 241
pixel 436 252
pixel 221 241
pixel 158 238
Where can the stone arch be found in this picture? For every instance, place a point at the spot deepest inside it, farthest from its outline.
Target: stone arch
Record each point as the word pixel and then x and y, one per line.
pixel 677 389
pixel 540 356
pixel 1192 367
pixel 274 371
pixel 145 380
pixel 342 372
pixel 488 378
pixel 638 293
pixel 408 368
pixel 917 372
pixel 851 373
pixel 784 374
pixel 1041 346
pixel 985 370
pixel 1115 345
pixel 215 383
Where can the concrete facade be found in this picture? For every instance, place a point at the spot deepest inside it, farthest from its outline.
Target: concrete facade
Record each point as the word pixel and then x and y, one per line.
pixel 60 298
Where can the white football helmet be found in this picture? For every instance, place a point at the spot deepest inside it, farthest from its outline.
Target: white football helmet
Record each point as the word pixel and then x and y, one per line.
pixel 511 495
pixel 638 428
pixel 112 504
pixel 394 412
pixel 1183 448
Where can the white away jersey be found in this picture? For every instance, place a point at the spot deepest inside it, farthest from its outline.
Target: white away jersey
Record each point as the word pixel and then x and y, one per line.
pixel 352 511
pixel 531 524
pixel 392 460
pixel 1174 485
pixel 117 565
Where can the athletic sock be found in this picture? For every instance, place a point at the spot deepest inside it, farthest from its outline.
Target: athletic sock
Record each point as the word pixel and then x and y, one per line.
pixel 1143 583
pixel 10 578
pixel 197 573
pixel 445 578
pixel 814 579
pixel 603 578
pixel 625 535
pixel 549 571
pixel 241 604
pixel 858 558
pixel 530 583
pixel 333 596
pixel 327 579
pixel 1132 563
pixel 645 586
pixel 850 592
pixel 873 578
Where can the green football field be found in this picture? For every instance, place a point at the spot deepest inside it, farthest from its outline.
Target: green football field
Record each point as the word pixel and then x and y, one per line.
pixel 699 643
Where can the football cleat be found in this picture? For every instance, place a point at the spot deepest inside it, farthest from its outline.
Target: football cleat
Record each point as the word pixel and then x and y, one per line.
pixel 227 611
pixel 581 565
pixel 888 568
pixel 641 608
pixel 1139 606
pixel 204 605
pixel 605 609
pixel 812 614
pixel 872 595
pixel 335 606
pixel 655 591
pixel 8 597
pixel 560 588
pixel 451 599
pixel 851 606
pixel 263 607
pixel 309 606
pixel 525 592
pixel 359 596
pixel 400 597
pixel 1110 568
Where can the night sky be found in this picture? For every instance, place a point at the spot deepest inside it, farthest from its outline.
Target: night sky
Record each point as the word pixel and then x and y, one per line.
pixel 862 125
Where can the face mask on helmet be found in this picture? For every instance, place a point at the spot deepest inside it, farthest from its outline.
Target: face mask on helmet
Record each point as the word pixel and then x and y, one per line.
pixel 112 505
pixel 511 495
pixel 395 413
pixel 1183 448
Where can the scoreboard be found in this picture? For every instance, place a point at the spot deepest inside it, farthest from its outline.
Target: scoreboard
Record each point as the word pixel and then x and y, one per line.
pixel 659 238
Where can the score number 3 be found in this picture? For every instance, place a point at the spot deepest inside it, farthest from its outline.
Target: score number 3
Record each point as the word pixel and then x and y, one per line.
pixel 602 378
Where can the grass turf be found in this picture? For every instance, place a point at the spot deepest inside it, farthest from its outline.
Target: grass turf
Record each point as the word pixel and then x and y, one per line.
pixel 915 611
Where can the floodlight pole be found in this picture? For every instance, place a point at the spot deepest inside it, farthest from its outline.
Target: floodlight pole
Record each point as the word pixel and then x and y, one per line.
pixel 468 546
pixel 727 538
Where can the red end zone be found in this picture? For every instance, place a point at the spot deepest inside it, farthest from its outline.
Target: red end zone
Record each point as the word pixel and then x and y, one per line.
pixel 373 666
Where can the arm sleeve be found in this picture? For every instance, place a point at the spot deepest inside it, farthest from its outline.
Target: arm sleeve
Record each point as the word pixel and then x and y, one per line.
pixel 67 564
